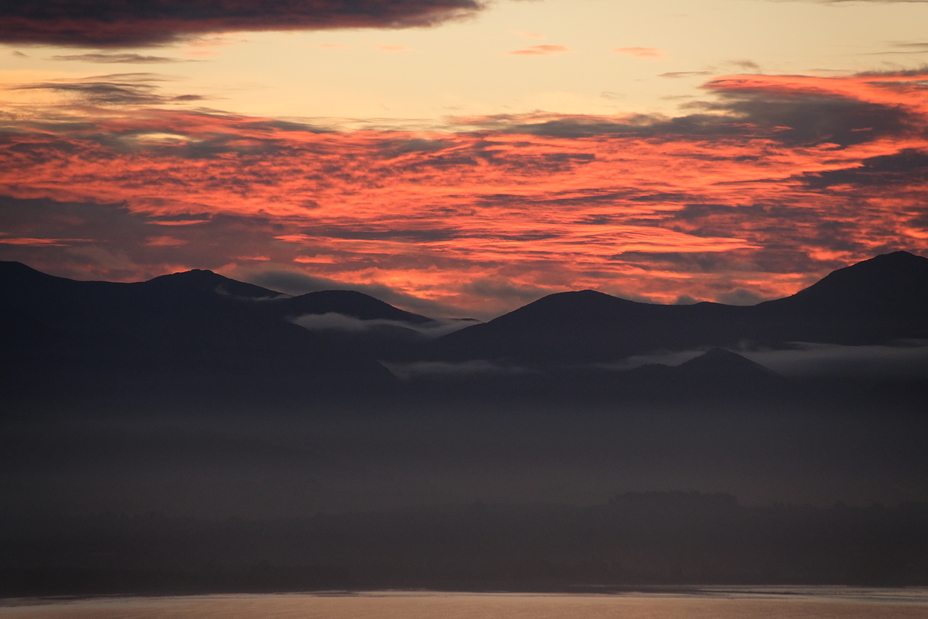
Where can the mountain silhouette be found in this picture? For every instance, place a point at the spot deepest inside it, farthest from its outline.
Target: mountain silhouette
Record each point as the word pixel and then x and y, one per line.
pixel 875 301
pixel 347 303
pixel 717 374
pixel 721 361
pixel 195 331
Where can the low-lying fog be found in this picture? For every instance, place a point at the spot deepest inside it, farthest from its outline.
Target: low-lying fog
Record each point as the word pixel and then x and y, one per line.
pixel 269 462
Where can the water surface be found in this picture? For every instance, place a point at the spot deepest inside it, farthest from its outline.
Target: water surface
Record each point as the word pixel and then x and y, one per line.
pixel 708 603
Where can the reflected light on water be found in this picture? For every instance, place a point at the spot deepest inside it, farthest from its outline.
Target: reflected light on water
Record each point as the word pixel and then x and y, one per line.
pixel 707 602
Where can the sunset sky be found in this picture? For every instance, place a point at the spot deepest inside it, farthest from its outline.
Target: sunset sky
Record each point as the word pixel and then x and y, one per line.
pixel 463 158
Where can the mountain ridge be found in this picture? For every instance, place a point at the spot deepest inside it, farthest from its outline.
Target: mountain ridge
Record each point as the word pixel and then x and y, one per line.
pixel 573 327
pixel 196 332
pixel 201 327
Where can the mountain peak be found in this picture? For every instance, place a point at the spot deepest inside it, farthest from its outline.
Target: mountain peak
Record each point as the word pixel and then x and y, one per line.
pixel 719 359
pixel 192 274
pixel 585 304
pixel 898 257
pixel 203 280
pixel 898 279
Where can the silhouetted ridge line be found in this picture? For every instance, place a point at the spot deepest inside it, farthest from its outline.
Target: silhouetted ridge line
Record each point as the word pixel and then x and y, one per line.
pixel 351 303
pixel 208 282
pixel 196 332
pixel 872 302
pixel 896 283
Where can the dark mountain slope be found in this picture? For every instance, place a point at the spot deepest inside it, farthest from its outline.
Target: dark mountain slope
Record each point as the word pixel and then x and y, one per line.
pixel 874 301
pixel 890 285
pixel 588 326
pixel 721 361
pixel 390 331
pixel 716 375
pixel 202 281
pixel 348 303
pixel 191 331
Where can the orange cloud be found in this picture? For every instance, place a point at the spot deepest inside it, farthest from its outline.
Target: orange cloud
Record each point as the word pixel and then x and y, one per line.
pixel 41 242
pixel 541 50
pixel 164 241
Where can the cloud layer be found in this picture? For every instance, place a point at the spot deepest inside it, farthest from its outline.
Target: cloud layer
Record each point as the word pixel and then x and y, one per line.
pixel 121 89
pixel 113 23
pixel 759 190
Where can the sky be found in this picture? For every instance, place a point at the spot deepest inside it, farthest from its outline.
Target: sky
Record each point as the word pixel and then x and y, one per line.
pixel 463 158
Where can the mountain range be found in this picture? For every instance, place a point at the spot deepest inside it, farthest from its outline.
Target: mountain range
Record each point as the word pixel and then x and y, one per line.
pixel 875 301
pixel 200 332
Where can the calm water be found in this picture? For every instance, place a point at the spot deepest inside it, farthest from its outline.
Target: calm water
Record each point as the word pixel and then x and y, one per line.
pixel 708 603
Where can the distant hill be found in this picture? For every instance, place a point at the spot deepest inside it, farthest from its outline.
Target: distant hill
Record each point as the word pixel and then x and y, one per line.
pixel 195 331
pixel 875 301
pixel 717 373
pixel 719 360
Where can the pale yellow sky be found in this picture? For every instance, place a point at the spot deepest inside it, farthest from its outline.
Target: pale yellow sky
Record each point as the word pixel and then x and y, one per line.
pixel 391 77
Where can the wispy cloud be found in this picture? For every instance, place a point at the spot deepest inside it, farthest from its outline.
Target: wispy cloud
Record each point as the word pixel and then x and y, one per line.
pixel 164 241
pixel 126 58
pixel 903 49
pixel 679 74
pixel 641 52
pixel 745 65
pixel 332 321
pixel 804 359
pixel 41 242
pixel 117 89
pixel 541 50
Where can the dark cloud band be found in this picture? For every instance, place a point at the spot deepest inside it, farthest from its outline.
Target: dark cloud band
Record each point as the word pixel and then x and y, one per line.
pixel 116 58
pixel 123 89
pixel 112 23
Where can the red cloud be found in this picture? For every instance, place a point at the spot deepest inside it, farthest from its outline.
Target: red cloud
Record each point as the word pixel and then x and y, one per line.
pixel 774 183
pixel 42 242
